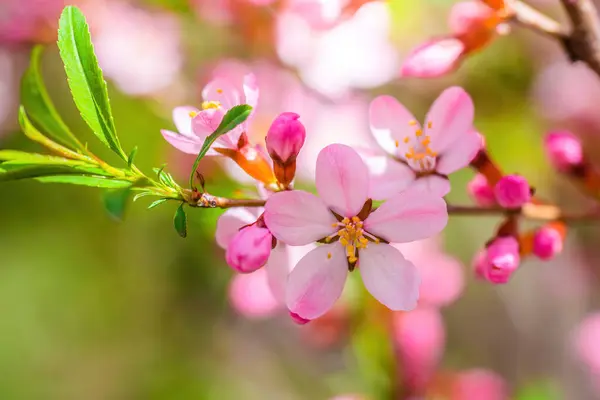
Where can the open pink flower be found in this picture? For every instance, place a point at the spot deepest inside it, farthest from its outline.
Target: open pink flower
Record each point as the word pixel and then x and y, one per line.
pixel 354 235
pixel 446 144
pixel 195 125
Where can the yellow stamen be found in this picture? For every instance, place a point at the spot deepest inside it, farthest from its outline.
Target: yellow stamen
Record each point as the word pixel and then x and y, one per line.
pixel 420 155
pixel 220 91
pixel 397 144
pixel 412 122
pixel 419 132
pixel 192 114
pixel 430 125
pixel 211 104
pixel 406 140
pixel 328 256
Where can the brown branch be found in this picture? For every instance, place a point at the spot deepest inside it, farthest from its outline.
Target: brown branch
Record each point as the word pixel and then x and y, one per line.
pixel 583 44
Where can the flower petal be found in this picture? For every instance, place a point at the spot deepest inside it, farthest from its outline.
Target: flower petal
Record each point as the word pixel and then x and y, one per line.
pixel 389 277
pixel 230 222
pixel 451 119
pixel 460 153
pixel 390 123
pixel 298 218
pixel 387 176
pixel 251 91
pixel 186 144
pixel 223 91
pixel 411 215
pixel 182 117
pixel 342 179
pixel 250 295
pixel 317 281
pixel 434 58
pixel 434 184
pixel 281 262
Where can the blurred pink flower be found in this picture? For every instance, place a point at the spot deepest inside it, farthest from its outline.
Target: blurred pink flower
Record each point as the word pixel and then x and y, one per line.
pixel 442 276
pixel 568 93
pixel 138 49
pixel 547 242
pixel 512 191
pixel 426 155
pixel 564 150
pixel 215 11
pixel 356 53
pixel 420 339
pixel 498 261
pixel 481 191
pixel 29 20
pixel 586 341
pixel 434 58
pixel 479 384
pixel 299 218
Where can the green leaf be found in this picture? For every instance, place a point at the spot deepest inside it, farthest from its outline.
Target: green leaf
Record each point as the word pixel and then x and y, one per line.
pixel 156 203
pixel 82 180
pixel 22 157
pixel 235 116
pixel 85 77
pixel 180 221
pixel 115 202
pixel 39 106
pixel 13 172
pixel 131 157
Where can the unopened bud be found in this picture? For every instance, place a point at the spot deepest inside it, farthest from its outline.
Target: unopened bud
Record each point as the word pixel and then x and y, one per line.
pixel 499 261
pixel 249 249
pixel 481 191
pixel 512 191
pixel 564 150
pixel 298 319
pixel 284 140
pixel 547 243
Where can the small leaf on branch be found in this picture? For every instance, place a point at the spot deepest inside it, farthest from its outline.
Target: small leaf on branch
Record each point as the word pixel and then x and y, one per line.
pixel 12 172
pixel 131 157
pixel 85 77
pixel 83 180
pixel 39 106
pixel 234 117
pixel 180 221
pixel 115 202
pixel 156 203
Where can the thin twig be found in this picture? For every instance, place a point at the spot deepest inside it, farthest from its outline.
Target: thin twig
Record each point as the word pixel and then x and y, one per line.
pixel 531 18
pixel 583 43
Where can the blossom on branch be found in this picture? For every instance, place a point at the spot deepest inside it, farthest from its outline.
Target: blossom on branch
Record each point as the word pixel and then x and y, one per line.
pixel 353 235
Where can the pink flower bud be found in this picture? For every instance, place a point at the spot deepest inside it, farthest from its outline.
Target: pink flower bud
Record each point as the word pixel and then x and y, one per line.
pixel 249 249
pixel 285 138
pixel 564 150
pixel 512 191
pixel 478 384
pixel 547 243
pixel 298 319
pixel 502 259
pixel 469 16
pixel 481 191
pixel 434 58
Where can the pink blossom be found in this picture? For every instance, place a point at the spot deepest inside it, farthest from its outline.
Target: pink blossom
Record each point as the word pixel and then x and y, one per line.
pixel 420 338
pixel 481 191
pixel 261 293
pixel 446 144
pixel 479 384
pixel 467 17
pixel 434 58
pixel 25 20
pixel 547 243
pixel 195 125
pixel 121 33
pixel 499 261
pixel 285 138
pixel 564 150
pixel 512 191
pixel 298 218
pixel 249 249
pixel 319 14
pixel 587 345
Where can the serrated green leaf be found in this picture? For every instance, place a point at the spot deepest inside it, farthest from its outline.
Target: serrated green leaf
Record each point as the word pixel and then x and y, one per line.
pixel 12 172
pixel 17 156
pixel 115 202
pixel 93 181
pixel 131 157
pixel 156 203
pixel 142 194
pixel 39 106
pixel 235 116
pixel 85 77
pixel 180 221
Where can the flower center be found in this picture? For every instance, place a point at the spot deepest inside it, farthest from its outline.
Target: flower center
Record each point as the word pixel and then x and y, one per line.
pixel 352 236
pixel 211 104
pixel 419 154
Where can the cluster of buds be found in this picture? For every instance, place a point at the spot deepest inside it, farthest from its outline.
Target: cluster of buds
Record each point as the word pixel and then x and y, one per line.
pixel 284 140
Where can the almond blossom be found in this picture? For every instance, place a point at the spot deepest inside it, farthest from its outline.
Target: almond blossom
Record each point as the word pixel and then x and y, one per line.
pixel 195 125
pixel 353 234
pixel 428 155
